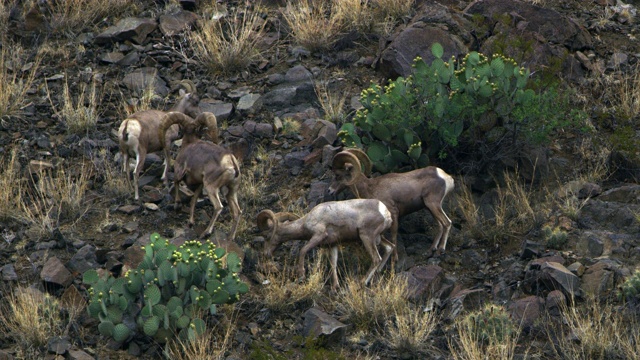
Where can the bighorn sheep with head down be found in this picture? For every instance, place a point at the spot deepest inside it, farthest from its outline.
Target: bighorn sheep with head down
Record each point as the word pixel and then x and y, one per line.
pixel 138 135
pixel 402 193
pixel 328 224
pixel 205 164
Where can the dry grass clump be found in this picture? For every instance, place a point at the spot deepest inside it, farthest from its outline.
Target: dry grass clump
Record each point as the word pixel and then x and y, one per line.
pixel 512 212
pixel 16 78
pixel 30 318
pixel 69 17
pixel 11 184
pixel 411 329
pixel 115 184
pixel 281 292
pixel 596 330
pixel 331 100
pixel 485 334
pixel 80 111
pixel 392 9
pixel 369 308
pixel 55 197
pixel 229 44
pixel 354 15
pixel 210 345
pixel 311 24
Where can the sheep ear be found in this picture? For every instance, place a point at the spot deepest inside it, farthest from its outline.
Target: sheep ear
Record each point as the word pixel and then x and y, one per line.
pixel 181 92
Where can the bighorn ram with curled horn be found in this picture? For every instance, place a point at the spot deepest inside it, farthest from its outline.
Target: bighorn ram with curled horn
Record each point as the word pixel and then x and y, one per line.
pixel 205 164
pixel 402 193
pixel 328 224
pixel 137 134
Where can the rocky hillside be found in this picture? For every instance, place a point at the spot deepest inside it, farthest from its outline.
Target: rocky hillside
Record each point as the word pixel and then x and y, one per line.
pixel 546 234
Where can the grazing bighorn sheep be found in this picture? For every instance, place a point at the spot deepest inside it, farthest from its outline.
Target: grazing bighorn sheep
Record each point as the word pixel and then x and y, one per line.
pixel 328 224
pixel 402 193
pixel 138 135
pixel 205 164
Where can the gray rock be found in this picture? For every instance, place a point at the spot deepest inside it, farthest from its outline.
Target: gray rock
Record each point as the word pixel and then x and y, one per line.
pixel 298 73
pixel 527 310
pixel 58 345
pixel 599 279
pixel 554 276
pixel 133 29
pixel 463 301
pixel 9 273
pixel 317 323
pixel 250 103
pixel 78 355
pixel 84 259
pixel 55 272
pixel 173 24
pixel 221 110
pixel 423 281
pixel 141 79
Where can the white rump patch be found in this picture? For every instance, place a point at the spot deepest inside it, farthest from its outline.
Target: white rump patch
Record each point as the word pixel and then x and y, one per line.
pixel 447 179
pixel 385 213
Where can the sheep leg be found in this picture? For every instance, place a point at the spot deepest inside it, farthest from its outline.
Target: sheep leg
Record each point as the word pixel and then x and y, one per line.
pixel 315 240
pixel 394 236
pixel 192 206
pixel 234 207
pixel 434 204
pixel 369 242
pixel 214 197
pixel 333 260
pixel 388 249
pixel 141 155
pixel 167 163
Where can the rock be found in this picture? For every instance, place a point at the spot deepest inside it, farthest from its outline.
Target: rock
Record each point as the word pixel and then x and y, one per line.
pixel 295 158
pixel 416 40
pixel 129 209
pixel 221 110
pixel 554 276
pixel 113 57
pixel 78 355
pixel 175 23
pixel 555 303
pixel 58 345
pixel 83 260
pixel 423 281
pixel 133 29
pixel 629 194
pixel 298 73
pixel 317 324
pixel 72 299
pixel 463 301
pixel 599 280
pixel 139 80
pixel 55 272
pixel 8 273
pixel 250 104
pixel 526 311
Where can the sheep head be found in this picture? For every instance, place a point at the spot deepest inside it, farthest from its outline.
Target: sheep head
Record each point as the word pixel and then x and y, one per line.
pixel 208 120
pixel 347 166
pixel 189 100
pixel 268 221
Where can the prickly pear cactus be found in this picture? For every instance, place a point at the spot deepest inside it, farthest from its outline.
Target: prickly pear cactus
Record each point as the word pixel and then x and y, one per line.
pixel 491 324
pixel 630 289
pixel 174 286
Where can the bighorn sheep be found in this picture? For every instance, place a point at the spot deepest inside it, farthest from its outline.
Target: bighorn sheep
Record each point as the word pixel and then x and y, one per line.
pixel 138 135
pixel 205 164
pixel 402 193
pixel 328 224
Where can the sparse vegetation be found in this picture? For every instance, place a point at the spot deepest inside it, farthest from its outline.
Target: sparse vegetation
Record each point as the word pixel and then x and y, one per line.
pixel 411 329
pixel 230 44
pixel 332 101
pixel 79 113
pixel 17 75
pixel 68 17
pixel 310 25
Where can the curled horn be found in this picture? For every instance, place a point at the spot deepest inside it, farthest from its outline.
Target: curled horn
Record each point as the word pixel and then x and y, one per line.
pixel 365 162
pixel 169 119
pixel 263 222
pixel 344 157
pixel 207 119
pixel 189 86
pixel 286 216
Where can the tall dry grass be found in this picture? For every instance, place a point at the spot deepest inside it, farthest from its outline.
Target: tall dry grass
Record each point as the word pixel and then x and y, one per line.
pixel 69 17
pixel 79 110
pixel 213 344
pixel 11 183
pixel 229 44
pixel 410 331
pixel 281 291
pixel 370 308
pixel 17 76
pixel 332 99
pixel 311 24
pixel 595 330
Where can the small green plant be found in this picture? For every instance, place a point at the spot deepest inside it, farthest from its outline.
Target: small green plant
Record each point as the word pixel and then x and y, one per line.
pixel 492 323
pixel 478 100
pixel 630 289
pixel 169 292
pixel 554 238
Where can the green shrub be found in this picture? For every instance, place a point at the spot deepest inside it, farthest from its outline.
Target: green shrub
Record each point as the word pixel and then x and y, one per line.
pixel 554 238
pixel 478 100
pixel 630 289
pixel 169 292
pixel 491 324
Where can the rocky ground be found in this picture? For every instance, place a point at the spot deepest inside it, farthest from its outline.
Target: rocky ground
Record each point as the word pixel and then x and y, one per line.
pixel 285 165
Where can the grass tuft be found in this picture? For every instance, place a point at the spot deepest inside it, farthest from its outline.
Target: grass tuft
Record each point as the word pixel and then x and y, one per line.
pixel 230 44
pixel 16 78
pixel 311 24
